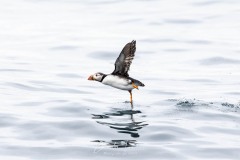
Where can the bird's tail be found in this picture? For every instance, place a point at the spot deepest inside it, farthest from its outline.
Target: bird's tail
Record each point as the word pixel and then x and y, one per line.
pixel 138 83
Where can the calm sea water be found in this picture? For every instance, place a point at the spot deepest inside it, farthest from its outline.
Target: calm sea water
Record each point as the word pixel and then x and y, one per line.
pixel 188 56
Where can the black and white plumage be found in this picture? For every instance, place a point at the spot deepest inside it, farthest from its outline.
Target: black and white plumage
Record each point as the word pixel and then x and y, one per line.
pixel 124 60
pixel 119 78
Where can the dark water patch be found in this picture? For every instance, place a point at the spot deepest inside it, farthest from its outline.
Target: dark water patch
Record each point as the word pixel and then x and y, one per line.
pixel 182 21
pixel 15 70
pixel 231 107
pixel 69 75
pixel 225 107
pixel 120 124
pixel 187 106
pixel 118 143
pixel 194 104
pixel 117 112
pixel 228 105
pixel 219 61
pixel 186 103
pixel 103 55
pixel 99 116
pixel 65 47
pixel 134 135
pixel 126 128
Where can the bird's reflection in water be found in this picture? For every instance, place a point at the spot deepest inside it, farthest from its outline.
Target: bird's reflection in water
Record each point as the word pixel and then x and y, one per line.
pixel 124 121
pixel 118 143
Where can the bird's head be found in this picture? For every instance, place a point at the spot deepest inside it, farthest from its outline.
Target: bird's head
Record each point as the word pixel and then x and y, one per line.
pixel 96 77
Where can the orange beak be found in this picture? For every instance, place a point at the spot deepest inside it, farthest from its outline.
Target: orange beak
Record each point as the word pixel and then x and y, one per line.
pixel 90 78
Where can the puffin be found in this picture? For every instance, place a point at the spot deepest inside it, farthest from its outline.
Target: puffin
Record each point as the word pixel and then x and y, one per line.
pixel 120 78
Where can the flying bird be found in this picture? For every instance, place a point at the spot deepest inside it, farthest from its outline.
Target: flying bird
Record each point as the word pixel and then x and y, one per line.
pixel 119 78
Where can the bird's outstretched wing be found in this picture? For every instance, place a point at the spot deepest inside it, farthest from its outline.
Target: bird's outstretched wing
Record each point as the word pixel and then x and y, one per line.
pixel 124 60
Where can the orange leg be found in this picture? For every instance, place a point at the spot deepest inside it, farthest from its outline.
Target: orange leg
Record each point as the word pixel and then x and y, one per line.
pixel 131 101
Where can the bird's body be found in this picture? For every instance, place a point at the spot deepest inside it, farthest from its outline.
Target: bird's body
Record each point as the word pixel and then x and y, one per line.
pixel 119 78
pixel 120 82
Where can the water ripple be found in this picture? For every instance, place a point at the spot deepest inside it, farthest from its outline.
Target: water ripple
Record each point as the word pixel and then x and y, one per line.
pixel 104 55
pixel 15 70
pixel 218 61
pixel 182 21
pixel 46 88
pixel 128 126
pixel 7 120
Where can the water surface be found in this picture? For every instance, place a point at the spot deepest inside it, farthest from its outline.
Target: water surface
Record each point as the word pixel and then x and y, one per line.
pixel 187 56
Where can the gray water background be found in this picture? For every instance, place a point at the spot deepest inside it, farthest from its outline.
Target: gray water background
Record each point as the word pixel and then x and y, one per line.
pixel 188 56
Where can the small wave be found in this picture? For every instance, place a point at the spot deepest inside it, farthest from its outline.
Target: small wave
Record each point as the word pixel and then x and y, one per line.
pixel 65 47
pixel 182 21
pixel 46 88
pixel 104 55
pixel 190 103
pixel 69 75
pixel 15 70
pixel 218 61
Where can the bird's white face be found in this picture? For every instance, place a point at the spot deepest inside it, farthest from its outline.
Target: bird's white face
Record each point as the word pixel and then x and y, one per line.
pixel 96 77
